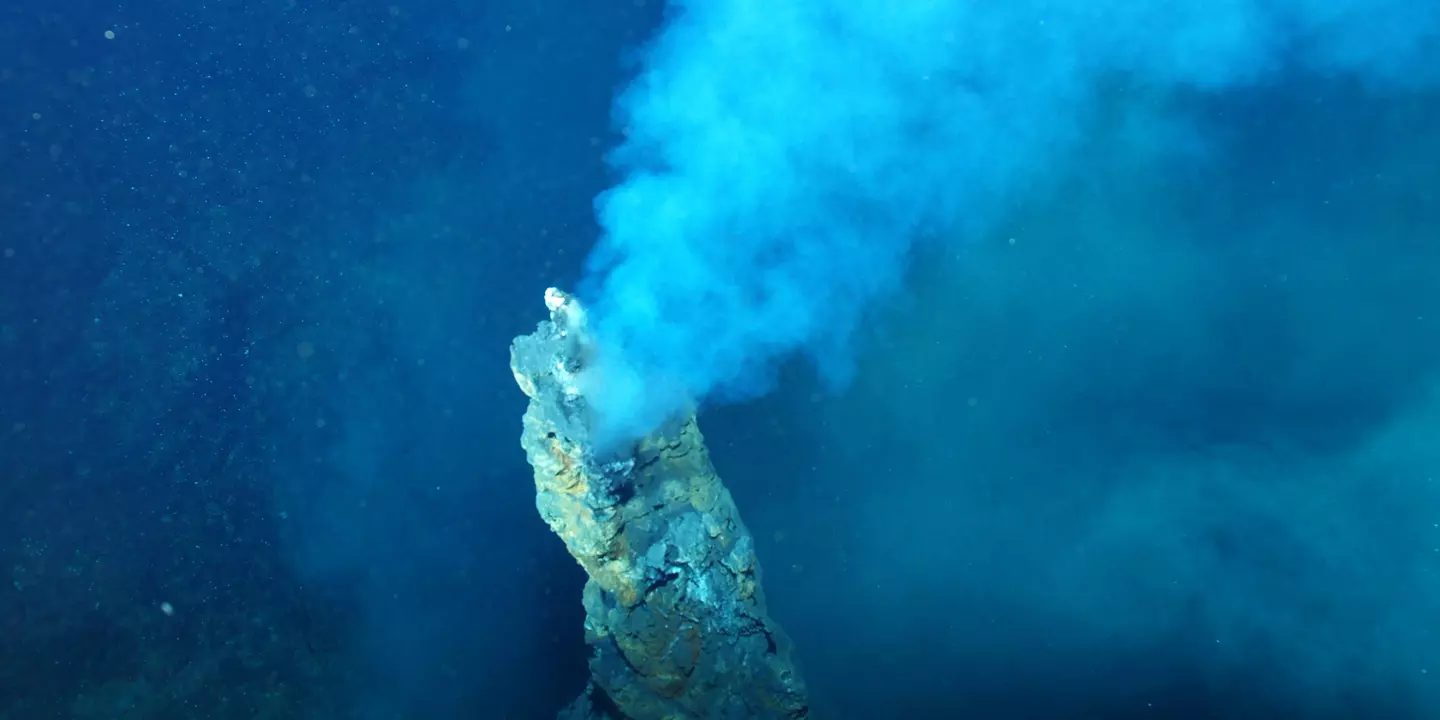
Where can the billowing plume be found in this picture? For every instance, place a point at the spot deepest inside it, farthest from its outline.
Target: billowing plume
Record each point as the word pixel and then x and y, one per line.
pixel 781 158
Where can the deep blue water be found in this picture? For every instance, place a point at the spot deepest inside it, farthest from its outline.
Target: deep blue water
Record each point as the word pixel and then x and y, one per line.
pixel 1158 440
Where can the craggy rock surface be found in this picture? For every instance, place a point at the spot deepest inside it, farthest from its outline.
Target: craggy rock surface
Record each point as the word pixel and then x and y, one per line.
pixel 674 608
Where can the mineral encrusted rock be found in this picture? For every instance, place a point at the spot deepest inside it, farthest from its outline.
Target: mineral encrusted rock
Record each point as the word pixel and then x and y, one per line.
pixel 675 614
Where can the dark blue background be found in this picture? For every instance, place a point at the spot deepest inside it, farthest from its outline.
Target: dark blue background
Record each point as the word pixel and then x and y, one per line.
pixel 1162 447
